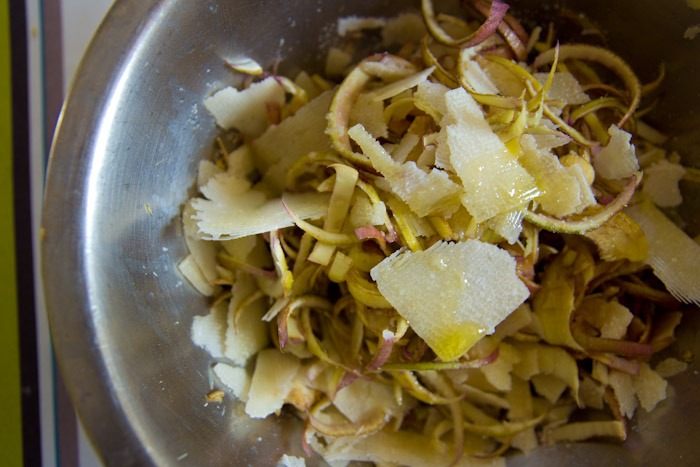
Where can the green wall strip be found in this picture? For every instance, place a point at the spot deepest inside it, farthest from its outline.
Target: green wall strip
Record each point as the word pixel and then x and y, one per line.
pixel 10 384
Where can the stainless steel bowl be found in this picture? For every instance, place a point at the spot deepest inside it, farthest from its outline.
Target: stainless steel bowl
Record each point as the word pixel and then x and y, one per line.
pixel 124 160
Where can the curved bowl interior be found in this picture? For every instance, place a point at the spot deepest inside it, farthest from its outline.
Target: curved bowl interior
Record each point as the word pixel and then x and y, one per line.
pixel 124 161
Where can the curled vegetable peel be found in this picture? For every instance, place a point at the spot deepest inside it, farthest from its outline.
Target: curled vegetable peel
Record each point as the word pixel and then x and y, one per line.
pixel 442 255
pixel 607 58
pixel 589 222
pixel 495 14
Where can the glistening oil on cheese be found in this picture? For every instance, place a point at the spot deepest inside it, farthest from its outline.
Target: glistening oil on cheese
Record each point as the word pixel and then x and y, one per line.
pixel 454 340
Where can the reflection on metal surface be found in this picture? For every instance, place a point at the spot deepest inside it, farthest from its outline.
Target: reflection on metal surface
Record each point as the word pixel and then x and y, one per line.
pixel 132 134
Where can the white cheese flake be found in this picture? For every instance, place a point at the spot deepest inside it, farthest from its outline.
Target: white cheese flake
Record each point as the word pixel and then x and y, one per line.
pixel 425 193
pixel 190 270
pixel 441 292
pixel 563 192
pixel 245 110
pixel 673 255
pixel 291 461
pixel 208 331
pixel 250 213
pixel 234 378
pixel 246 332
pixel 375 397
pixel 618 159
pixel 349 24
pixel 271 383
pixel 661 181
pixel 494 181
pixel 565 87
pixel 296 136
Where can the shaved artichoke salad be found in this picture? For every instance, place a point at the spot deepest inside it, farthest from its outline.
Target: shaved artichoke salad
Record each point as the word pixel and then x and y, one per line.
pixel 446 253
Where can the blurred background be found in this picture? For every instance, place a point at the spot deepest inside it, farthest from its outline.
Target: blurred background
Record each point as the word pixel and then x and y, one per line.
pixel 41 42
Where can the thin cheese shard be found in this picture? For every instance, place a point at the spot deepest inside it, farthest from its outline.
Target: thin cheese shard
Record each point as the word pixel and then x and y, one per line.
pixel 430 98
pixel 610 318
pixel 565 87
pixel 376 397
pixel 425 193
pixel 563 192
pixel 474 75
pixel 250 213
pixel 246 333
pixel 661 183
pixel 338 61
pixel 296 136
pixel 508 83
pixel 353 24
pixel 234 378
pixel 618 159
pixel 364 213
pixel 369 112
pixel 191 271
pixel 443 291
pixel 203 252
pixel 208 331
pixel 397 87
pixel 493 179
pixel 508 225
pixel 647 389
pixel 404 28
pixel 650 387
pixel 673 255
pixel 291 461
pixel 271 383
pixel 245 110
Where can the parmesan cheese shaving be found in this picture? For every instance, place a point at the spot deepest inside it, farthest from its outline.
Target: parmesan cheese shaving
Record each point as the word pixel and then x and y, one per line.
pixel 250 213
pixel 234 378
pixel 461 274
pixel 190 270
pixel 673 255
pixel 208 331
pixel 565 87
pixel 246 333
pixel 617 160
pixel 494 181
pixel 245 110
pixel 661 183
pixel 425 193
pixel 271 382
